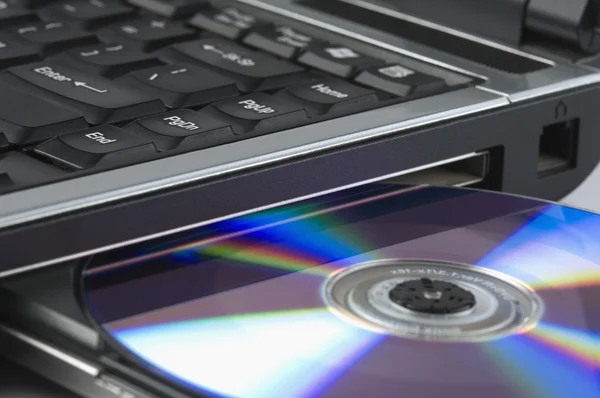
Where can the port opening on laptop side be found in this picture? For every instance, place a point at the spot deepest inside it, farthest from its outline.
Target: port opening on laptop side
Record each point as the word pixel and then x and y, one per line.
pixel 558 148
pixel 478 169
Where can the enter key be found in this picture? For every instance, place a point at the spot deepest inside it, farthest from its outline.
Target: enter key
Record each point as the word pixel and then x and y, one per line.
pixel 99 100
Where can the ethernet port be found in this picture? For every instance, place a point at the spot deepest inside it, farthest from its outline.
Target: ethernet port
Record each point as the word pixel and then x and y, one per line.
pixel 558 148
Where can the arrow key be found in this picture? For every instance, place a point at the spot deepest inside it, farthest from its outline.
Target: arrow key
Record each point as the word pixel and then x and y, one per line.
pixel 98 99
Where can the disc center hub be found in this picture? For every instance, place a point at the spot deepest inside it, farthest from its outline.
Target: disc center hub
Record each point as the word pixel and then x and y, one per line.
pixel 432 296
pixel 432 300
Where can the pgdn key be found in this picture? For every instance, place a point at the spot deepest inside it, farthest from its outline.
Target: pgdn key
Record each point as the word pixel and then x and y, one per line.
pixel 182 124
pixel 258 113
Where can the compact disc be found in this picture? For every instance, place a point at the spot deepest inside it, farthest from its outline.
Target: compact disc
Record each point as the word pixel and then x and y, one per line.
pixel 377 291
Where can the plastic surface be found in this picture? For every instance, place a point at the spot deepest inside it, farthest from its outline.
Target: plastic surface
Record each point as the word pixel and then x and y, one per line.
pixel 472 16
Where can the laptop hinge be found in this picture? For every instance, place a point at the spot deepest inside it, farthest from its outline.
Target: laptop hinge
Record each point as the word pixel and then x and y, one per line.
pixel 558 25
pixel 575 23
pixel 499 20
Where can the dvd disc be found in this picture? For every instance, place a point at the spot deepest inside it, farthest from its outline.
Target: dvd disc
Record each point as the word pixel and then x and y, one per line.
pixel 378 291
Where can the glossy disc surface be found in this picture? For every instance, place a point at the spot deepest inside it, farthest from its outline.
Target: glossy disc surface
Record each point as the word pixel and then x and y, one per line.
pixel 253 306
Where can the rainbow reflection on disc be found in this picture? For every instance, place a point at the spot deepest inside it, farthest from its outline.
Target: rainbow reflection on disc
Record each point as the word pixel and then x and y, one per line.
pixel 466 294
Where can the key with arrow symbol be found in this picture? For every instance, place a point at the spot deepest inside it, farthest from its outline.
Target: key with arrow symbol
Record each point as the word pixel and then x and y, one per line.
pixel 97 99
pixel 89 53
pixel 209 47
pixel 85 85
pixel 230 56
pixel 251 69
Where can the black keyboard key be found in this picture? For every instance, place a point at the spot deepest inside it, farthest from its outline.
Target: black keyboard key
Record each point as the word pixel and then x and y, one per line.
pixel 183 130
pixel 332 96
pixel 170 8
pixel 5 181
pixel 25 118
pixel 4 144
pixel 180 87
pixel 51 37
pixel 252 70
pixel 11 14
pixel 337 60
pixel 99 100
pixel 108 60
pixel 258 113
pixel 31 3
pixel 146 34
pixel 12 52
pixel 401 81
pixel 18 171
pixel 282 41
pixel 100 146
pixel 229 22
pixel 88 13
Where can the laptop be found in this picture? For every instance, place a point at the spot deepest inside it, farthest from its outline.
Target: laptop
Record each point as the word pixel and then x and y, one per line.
pixel 124 120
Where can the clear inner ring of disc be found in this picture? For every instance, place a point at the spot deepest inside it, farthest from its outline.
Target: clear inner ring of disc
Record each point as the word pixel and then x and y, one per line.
pixel 432 300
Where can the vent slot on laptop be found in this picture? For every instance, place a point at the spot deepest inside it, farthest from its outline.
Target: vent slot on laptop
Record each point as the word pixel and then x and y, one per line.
pixel 468 49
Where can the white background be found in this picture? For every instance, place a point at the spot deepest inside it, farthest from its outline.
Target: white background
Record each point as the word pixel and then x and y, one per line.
pixel 587 196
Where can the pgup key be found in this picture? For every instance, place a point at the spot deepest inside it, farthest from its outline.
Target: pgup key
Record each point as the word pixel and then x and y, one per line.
pixel 256 107
pixel 98 99
pixel 258 113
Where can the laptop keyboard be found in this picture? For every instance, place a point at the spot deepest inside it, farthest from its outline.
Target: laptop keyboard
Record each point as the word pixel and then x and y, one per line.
pixel 89 85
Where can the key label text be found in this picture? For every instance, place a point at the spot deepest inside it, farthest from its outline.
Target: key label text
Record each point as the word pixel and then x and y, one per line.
pixel 179 122
pixel 325 89
pixel 99 138
pixel 256 107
